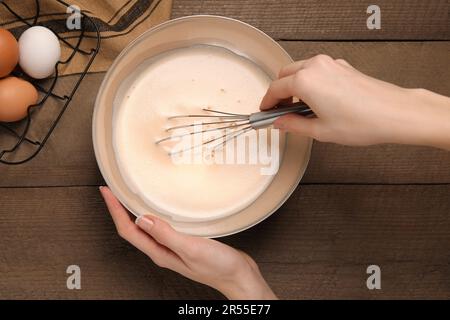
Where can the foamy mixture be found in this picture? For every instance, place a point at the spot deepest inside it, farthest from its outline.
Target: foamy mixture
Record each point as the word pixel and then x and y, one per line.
pixel 184 81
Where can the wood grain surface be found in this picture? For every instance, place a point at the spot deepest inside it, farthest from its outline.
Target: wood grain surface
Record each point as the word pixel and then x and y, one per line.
pixel 315 246
pixel 387 205
pixel 68 158
pixel 331 20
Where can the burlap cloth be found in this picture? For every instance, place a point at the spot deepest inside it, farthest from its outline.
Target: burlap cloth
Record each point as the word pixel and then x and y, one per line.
pixel 119 21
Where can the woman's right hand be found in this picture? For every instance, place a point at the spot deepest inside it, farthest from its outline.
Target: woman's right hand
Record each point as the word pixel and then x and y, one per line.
pixel 355 109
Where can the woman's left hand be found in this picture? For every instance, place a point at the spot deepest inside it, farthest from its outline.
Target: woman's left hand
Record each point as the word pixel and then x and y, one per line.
pixel 207 261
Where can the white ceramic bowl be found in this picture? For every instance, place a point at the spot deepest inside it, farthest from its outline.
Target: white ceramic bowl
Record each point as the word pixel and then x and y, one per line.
pixel 238 37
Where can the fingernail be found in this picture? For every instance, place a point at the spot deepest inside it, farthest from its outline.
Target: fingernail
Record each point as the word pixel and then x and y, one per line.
pixel 100 188
pixel 144 222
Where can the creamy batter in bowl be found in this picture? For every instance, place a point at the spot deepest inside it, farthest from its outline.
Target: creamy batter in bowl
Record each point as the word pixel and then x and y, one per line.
pixel 184 81
pixel 189 36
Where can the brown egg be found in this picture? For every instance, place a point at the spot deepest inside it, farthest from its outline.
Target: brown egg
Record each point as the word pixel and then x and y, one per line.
pixel 9 52
pixel 16 95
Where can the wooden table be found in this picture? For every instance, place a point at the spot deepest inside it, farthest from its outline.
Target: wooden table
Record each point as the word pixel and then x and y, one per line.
pixel 386 205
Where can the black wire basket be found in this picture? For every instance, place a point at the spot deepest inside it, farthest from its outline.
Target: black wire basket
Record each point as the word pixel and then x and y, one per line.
pixel 23 140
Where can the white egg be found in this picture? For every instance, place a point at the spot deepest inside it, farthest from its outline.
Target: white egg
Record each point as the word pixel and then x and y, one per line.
pixel 39 51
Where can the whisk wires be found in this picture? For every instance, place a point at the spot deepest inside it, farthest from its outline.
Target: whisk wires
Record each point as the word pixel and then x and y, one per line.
pixel 232 124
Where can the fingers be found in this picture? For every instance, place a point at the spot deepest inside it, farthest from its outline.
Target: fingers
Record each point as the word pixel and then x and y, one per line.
pixel 298 124
pixel 296 66
pixel 292 79
pixel 117 211
pixel 124 225
pixel 344 63
pixel 128 230
pixel 292 68
pixel 279 89
pixel 164 234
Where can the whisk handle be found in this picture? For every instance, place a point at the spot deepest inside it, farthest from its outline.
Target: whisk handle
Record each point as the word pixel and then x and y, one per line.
pixel 264 119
